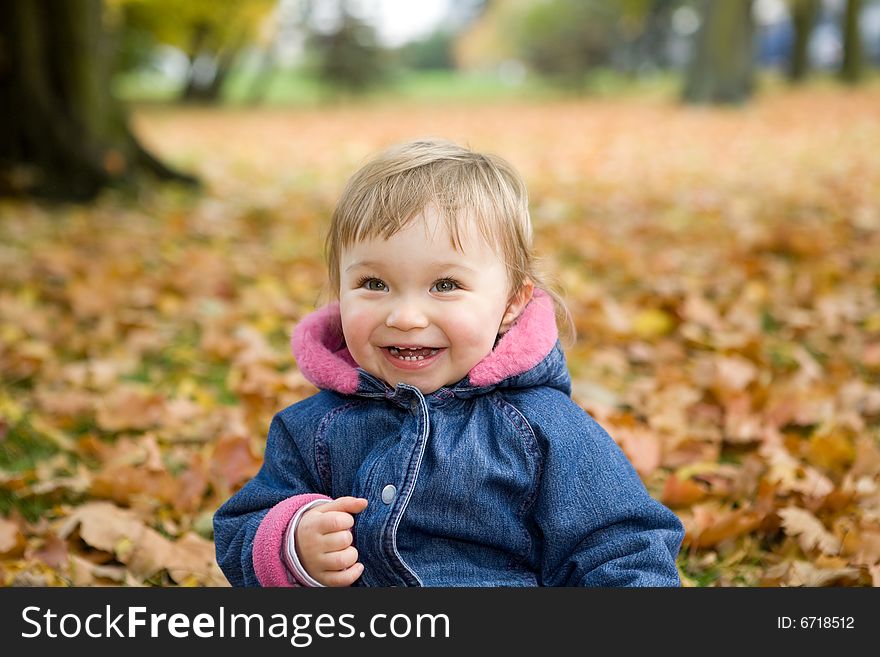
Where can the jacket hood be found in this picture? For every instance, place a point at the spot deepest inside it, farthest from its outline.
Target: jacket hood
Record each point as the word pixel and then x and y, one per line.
pixel 528 354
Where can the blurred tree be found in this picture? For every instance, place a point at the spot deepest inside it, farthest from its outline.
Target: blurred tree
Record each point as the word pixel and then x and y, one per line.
pixel 437 50
pixel 651 43
pixel 563 39
pixel 853 58
pixel 62 135
pixel 722 68
pixel 485 43
pixel 348 57
pixel 431 53
pixel 803 16
pixel 212 34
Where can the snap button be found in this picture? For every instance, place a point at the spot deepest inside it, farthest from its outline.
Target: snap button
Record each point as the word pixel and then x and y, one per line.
pixel 388 493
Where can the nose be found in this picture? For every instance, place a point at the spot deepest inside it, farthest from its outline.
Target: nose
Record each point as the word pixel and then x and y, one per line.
pixel 406 315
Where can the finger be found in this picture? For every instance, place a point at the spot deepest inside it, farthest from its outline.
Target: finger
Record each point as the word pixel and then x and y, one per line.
pixel 345 577
pixel 347 504
pixel 339 559
pixel 335 541
pixel 336 521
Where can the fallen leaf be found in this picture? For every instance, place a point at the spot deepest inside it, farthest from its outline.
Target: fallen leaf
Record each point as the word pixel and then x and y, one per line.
pixel 809 530
pixel 52 551
pixel 681 492
pixel 641 446
pixel 727 525
pixel 12 541
pixel 832 451
pixel 803 573
pixel 143 550
pixel 129 407
pixel 193 557
pixel 233 461
pixel 123 483
pixel 652 323
pixel 734 372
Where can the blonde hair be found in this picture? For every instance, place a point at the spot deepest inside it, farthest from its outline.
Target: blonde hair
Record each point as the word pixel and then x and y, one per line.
pixel 393 188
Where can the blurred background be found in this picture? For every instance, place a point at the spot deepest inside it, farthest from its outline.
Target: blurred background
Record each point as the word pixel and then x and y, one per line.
pixel 704 189
pixel 73 66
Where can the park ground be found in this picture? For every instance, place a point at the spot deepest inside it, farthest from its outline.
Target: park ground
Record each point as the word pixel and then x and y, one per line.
pixel 722 266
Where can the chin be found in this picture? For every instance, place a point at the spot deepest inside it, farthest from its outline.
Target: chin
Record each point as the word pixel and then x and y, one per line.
pixel 426 388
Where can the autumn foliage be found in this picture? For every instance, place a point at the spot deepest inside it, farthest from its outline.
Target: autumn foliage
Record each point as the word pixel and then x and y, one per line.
pixel 722 267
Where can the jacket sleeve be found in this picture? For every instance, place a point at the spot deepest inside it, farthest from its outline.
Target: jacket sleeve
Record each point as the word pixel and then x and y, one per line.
pixel 599 525
pixel 250 528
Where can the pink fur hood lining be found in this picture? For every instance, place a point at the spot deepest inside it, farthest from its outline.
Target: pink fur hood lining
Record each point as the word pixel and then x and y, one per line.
pixel 319 347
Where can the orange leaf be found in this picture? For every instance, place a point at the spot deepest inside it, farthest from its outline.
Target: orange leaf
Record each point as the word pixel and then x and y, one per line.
pixel 642 447
pixel 681 492
pixel 128 407
pixel 12 541
pixel 233 461
pixel 733 524
pixel 122 483
pixel 832 451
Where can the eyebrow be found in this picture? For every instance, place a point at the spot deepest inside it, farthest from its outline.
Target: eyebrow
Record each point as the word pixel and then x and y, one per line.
pixel 361 263
pixel 434 265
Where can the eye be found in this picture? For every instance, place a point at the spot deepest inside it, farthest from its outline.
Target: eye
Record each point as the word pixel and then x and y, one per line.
pixel 372 284
pixel 446 285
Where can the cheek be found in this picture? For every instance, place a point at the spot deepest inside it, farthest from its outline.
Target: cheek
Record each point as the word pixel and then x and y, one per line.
pixel 357 325
pixel 473 331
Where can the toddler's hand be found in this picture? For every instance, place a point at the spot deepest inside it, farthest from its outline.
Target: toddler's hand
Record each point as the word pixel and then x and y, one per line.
pixel 323 541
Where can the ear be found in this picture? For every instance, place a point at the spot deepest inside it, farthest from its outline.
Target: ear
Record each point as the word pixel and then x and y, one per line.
pixel 515 305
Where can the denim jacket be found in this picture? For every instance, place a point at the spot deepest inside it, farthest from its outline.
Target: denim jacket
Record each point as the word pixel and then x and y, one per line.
pixel 499 479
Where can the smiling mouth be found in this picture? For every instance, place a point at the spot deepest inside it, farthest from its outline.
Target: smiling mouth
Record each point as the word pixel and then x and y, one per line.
pixel 412 353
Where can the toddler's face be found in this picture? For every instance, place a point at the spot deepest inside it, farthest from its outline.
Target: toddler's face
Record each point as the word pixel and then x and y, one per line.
pixel 415 290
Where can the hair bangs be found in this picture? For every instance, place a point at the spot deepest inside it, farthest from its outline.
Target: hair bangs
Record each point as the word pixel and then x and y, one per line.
pixel 466 189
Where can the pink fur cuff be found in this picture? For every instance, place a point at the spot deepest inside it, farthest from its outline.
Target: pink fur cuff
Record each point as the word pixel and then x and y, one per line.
pixel 269 541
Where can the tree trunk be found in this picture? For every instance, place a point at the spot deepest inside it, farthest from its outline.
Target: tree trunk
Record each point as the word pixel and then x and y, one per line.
pixel 201 89
pixel 224 63
pixel 803 15
pixel 656 34
pixel 62 135
pixel 262 77
pixel 851 70
pixel 722 69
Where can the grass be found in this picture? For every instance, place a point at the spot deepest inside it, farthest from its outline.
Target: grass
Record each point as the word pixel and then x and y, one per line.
pixel 30 508
pixel 23 447
pixel 299 88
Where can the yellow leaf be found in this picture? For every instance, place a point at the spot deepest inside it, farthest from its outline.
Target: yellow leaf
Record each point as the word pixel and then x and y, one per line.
pixel 652 323
pixel 55 435
pixel 11 334
pixel 872 322
pixel 832 451
pixel 10 409
pixel 123 548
